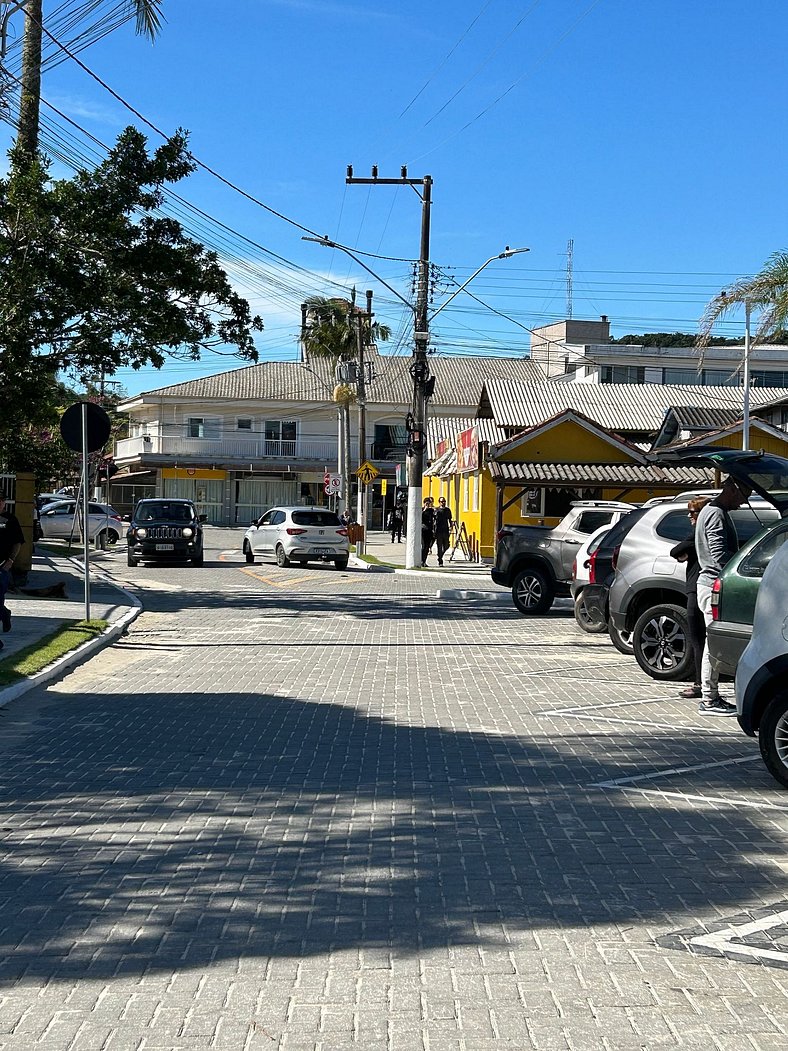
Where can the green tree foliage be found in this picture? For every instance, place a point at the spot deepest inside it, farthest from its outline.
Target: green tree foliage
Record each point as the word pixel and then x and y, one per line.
pixel 331 329
pixel 671 339
pixel 95 278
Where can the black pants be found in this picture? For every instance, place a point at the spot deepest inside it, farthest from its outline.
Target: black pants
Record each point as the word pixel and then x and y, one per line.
pixel 442 542
pixel 696 630
pixel 427 540
pixel 396 534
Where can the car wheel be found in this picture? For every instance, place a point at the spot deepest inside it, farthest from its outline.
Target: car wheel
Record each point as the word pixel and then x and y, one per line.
pixel 281 558
pixel 592 622
pixel 341 563
pixel 131 560
pixel 622 640
pixel 773 738
pixel 198 558
pixel 661 643
pixel 112 537
pixel 248 553
pixel 532 592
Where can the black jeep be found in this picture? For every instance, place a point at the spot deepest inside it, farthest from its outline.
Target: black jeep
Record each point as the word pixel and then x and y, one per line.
pixel 165 529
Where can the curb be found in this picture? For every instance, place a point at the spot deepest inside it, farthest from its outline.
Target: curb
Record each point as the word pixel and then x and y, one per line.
pixel 81 653
pixel 466 595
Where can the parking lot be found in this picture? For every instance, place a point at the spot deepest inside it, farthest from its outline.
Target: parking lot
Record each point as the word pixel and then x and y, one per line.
pixel 321 809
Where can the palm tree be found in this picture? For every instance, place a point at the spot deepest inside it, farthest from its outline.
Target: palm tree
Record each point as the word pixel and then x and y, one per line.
pixel 330 328
pixel 147 14
pixel 767 291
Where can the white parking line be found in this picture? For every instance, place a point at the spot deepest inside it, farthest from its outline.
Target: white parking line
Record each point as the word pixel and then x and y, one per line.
pixel 747 804
pixel 617 781
pixel 730 939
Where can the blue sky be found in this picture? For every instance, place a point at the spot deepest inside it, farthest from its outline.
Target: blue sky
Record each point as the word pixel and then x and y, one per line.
pixel 648 134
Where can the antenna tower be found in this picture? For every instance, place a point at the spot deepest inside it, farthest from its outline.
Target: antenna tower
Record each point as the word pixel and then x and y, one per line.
pixel 570 246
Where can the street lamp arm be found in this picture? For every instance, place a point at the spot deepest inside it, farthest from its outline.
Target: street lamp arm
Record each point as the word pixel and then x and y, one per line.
pixel 342 248
pixel 505 254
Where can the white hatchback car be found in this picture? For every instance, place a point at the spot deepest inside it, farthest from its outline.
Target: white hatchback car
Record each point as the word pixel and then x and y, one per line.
pixel 298 534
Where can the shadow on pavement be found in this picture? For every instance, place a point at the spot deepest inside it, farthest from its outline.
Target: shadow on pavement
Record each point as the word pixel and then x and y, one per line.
pixel 153 832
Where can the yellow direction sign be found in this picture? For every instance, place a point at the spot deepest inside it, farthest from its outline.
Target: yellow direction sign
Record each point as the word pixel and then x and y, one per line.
pixel 367 473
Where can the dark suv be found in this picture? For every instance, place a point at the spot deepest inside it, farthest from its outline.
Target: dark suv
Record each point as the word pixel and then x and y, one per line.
pixel 165 529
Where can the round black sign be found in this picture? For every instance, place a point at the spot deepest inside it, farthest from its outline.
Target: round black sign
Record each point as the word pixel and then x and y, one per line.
pixel 98 426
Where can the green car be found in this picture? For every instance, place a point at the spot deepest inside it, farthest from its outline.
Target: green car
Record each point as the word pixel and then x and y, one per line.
pixel 734 594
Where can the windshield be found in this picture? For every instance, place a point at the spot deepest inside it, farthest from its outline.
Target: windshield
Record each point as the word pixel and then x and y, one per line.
pixel 163 511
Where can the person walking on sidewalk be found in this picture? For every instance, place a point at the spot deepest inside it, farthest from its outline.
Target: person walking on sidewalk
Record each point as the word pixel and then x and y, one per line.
pixel 427 528
pixel 715 543
pixel 443 524
pixel 11 540
pixel 394 524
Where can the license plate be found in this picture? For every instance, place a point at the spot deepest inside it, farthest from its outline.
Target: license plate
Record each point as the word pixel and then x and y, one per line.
pixel 323 550
pixel 165 547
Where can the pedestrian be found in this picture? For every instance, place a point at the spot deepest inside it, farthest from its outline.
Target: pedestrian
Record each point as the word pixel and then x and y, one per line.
pixel 427 528
pixel 11 540
pixel 346 517
pixel 394 524
pixel 696 625
pixel 443 524
pixel 715 543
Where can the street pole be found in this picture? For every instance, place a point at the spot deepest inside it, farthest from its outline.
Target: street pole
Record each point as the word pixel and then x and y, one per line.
pixel 85 508
pixel 361 398
pixel 420 371
pixel 745 430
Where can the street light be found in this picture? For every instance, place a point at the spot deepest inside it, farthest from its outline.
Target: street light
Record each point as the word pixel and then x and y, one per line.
pixel 507 253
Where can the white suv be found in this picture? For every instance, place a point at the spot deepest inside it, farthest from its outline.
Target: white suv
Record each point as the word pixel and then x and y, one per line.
pixel 298 534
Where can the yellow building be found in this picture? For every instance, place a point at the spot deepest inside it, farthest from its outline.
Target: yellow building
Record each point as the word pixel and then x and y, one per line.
pixel 533 477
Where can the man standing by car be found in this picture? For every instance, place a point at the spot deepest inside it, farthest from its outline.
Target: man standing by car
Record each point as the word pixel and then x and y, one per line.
pixel 715 542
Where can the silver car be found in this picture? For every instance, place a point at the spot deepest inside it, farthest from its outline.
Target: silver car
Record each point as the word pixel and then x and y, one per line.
pixel 57 521
pixel 298 534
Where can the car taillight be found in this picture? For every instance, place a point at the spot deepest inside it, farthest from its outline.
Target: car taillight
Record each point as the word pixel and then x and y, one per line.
pixel 716 594
pixel 614 560
pixel 294 532
pixel 592 569
pixel 342 532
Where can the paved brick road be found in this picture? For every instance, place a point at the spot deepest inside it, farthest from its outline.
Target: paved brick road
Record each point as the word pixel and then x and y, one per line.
pixel 329 811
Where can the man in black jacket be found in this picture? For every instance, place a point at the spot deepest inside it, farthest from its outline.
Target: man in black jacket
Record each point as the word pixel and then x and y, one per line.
pixel 427 528
pixel 11 540
pixel 443 524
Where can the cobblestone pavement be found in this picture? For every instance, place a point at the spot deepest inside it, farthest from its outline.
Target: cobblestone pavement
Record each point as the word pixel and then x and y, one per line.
pixel 311 809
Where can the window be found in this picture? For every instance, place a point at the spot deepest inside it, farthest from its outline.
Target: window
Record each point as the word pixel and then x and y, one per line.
pixel 280 437
pixel 687 377
pixel 622 374
pixel 532 503
pixel 775 378
pixel 243 423
pixel 590 521
pixel 754 565
pixel 196 428
pixel 675 525
pixel 465 492
pixel 476 484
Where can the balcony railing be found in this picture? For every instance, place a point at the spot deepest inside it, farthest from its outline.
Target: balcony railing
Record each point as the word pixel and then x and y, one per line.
pixel 246 450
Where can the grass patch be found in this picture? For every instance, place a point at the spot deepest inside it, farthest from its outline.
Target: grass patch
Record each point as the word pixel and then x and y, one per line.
pixel 377 562
pixel 38 655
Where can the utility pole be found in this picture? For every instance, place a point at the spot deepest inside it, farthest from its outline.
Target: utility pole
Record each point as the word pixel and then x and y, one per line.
pixel 416 421
pixel 570 251
pixel 362 335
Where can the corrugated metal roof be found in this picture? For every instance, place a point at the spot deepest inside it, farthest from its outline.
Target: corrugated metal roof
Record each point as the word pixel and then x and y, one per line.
pixel 638 407
pixel 446 428
pixel 652 476
pixel 458 380
pixel 697 418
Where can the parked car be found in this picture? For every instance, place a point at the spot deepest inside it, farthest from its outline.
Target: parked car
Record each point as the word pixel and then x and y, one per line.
pixel 298 534
pixel 762 671
pixel 648 595
pixel 583 571
pixel 734 596
pixel 536 561
pixel 165 529
pixel 60 520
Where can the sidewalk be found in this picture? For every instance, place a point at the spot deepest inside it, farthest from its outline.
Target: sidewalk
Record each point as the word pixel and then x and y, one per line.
pixel 379 546
pixel 34 619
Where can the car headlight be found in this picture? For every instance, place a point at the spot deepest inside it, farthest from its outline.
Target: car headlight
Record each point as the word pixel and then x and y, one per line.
pixel 141 533
pixel 188 532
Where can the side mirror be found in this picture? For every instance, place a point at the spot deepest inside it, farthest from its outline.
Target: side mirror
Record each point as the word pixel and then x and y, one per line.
pixel 202 518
